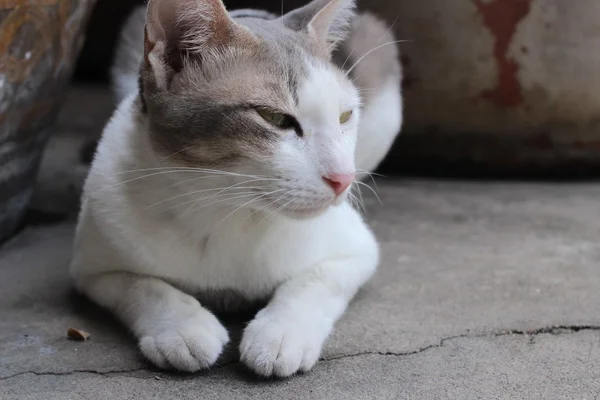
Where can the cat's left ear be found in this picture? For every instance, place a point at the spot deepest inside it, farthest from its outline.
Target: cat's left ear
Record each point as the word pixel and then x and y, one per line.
pixel 327 21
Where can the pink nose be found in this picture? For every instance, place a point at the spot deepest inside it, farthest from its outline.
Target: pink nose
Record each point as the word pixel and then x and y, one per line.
pixel 339 182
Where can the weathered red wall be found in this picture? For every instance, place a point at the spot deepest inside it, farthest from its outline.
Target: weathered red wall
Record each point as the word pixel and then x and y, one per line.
pixel 491 85
pixel 511 86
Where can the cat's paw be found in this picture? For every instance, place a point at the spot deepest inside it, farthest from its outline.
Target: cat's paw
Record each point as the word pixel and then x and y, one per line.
pixel 280 347
pixel 191 344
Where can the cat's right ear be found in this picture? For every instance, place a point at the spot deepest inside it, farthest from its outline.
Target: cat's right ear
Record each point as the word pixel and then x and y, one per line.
pixel 327 21
pixel 180 30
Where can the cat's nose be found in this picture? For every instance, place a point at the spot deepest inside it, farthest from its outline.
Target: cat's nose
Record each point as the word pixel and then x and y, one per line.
pixel 339 182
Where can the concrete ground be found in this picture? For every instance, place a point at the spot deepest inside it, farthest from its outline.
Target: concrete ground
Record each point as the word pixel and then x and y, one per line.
pixel 485 291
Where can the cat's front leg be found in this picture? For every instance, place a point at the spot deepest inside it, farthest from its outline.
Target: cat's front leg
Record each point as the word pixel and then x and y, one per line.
pixel 173 329
pixel 288 334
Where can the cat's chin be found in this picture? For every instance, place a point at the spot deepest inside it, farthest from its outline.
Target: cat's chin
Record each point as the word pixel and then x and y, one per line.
pixel 310 213
pixel 305 214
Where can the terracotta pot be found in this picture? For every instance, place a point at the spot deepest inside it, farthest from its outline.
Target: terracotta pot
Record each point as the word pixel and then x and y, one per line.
pixel 499 85
pixel 39 42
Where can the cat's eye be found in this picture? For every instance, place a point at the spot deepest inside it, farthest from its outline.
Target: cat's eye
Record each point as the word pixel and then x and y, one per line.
pixel 278 119
pixel 345 116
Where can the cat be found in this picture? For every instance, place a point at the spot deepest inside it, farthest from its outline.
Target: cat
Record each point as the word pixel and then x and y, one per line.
pixel 225 173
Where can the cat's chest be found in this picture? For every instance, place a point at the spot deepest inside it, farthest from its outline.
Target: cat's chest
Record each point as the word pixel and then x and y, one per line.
pixel 250 262
pixel 250 259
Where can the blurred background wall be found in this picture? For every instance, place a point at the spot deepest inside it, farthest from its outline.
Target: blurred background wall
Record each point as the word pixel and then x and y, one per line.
pixel 492 87
pixel 39 44
pixel 507 87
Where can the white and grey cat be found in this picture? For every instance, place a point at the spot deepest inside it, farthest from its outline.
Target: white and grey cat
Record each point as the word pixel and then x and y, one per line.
pixel 223 176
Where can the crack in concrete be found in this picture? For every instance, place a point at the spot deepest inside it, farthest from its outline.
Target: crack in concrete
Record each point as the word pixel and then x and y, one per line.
pixel 76 371
pixel 552 330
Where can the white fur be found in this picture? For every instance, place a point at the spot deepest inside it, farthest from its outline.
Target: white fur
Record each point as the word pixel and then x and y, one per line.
pixel 326 148
pixel 125 84
pixel 380 123
pixel 138 252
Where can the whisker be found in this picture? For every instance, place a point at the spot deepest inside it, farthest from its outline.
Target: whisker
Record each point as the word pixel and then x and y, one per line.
pixel 371 189
pixel 360 197
pixel 214 172
pixel 277 209
pixel 371 176
pixel 355 202
pixel 281 208
pixel 241 183
pixel 197 178
pixel 185 169
pixel 175 153
pixel 351 200
pixel 135 179
pixel 222 200
pixel 188 169
pixel 194 203
pixel 220 189
pixel 298 204
pixel 188 194
pixel 268 204
pixel 364 90
pixel 146 169
pixel 203 177
pixel 240 207
pixel 363 171
pixel 378 40
pixel 222 197
pixel 372 50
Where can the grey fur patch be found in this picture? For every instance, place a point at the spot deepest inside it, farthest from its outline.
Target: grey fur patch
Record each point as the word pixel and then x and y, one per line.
pixel 207 115
pixel 200 130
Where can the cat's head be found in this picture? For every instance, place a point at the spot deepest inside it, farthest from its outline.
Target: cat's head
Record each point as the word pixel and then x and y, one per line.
pixel 255 98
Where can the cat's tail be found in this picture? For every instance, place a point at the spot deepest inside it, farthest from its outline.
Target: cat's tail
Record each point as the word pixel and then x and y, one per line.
pixel 372 59
pixel 129 54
